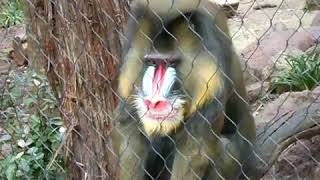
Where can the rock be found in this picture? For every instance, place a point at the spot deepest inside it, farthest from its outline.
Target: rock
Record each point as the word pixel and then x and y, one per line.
pixel 229 6
pixel 316 173
pixel 288 102
pixel 227 2
pixel 248 75
pixel 264 6
pixel 280 58
pixel 316 91
pixel 256 61
pixel 314 49
pixel 314 31
pixel 4 67
pixel 260 56
pixel 18 54
pixel 291 4
pixel 5 137
pixel 255 90
pixel 279 26
pixel 316 19
pixel 8 35
pixel 6 149
pixel 295 160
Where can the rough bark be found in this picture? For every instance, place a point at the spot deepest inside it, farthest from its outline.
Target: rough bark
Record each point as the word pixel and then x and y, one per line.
pixel 77 43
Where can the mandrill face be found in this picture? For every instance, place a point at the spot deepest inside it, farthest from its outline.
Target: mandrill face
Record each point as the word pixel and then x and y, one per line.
pixel 159 104
pixel 172 77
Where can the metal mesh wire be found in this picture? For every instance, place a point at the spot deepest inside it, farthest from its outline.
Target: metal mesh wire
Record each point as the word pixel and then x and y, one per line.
pixel 42 118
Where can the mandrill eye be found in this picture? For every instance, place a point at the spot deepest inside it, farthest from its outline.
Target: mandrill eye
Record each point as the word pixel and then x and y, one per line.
pixel 170 60
pixel 150 62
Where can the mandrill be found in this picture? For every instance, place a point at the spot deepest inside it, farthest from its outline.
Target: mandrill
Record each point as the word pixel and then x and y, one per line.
pixel 183 113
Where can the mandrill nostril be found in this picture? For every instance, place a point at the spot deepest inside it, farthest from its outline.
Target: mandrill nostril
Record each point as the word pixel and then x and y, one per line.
pixel 157 105
pixel 147 103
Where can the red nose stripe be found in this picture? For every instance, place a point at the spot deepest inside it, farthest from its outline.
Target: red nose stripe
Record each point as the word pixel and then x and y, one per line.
pixel 157 105
pixel 158 78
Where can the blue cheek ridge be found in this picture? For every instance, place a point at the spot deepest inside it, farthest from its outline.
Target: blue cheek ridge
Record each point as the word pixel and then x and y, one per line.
pixel 147 81
pixel 169 80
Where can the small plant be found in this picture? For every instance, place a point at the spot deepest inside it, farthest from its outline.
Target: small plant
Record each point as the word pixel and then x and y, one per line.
pixel 30 115
pixel 311 5
pixel 11 13
pixel 303 73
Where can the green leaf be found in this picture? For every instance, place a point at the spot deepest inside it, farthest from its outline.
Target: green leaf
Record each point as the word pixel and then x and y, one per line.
pixel 11 159
pixel 24 165
pixel 16 92
pixel 19 155
pixel 32 150
pixel 30 100
pixel 11 171
pixel 19 173
pixel 40 156
pixel 35 119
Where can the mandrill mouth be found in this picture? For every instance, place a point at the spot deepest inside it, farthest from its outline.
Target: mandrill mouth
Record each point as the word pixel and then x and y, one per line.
pixel 159 110
pixel 160 116
pixel 172 115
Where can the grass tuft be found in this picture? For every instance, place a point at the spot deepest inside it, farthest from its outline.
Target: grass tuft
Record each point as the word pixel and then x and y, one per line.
pixel 303 73
pixel 11 13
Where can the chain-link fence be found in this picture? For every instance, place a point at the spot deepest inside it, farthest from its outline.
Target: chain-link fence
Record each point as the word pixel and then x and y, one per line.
pixel 83 99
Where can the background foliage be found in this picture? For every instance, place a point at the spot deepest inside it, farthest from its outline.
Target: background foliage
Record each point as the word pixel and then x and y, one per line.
pixel 32 120
pixel 11 13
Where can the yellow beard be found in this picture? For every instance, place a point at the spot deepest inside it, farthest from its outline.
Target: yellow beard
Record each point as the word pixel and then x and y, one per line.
pixel 163 127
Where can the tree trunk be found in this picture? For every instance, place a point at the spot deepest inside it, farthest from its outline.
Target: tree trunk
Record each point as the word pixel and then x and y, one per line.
pixel 77 43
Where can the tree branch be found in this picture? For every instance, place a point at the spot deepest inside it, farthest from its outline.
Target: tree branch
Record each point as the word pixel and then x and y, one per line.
pixel 274 138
